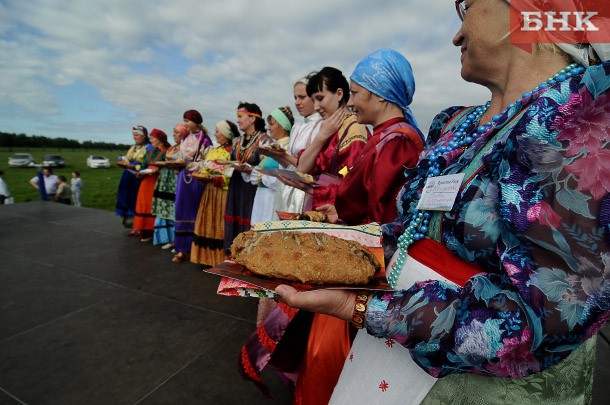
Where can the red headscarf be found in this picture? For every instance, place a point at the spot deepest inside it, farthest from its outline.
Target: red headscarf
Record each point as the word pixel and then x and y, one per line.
pixel 159 135
pixel 193 115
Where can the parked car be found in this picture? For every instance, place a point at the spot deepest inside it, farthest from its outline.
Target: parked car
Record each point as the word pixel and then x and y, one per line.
pixel 53 161
pixel 21 160
pixel 97 161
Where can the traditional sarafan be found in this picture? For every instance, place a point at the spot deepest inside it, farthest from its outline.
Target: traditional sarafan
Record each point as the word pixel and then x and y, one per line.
pixel 315 258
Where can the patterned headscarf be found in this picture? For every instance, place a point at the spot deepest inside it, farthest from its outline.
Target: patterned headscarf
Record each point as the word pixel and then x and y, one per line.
pixel 387 73
pixel 140 130
pixel 583 53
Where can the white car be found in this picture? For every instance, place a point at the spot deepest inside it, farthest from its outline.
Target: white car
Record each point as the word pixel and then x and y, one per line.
pixel 21 160
pixel 97 161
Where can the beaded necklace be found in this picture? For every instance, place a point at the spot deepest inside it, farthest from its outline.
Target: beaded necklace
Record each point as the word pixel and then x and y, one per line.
pixel 248 149
pixel 463 137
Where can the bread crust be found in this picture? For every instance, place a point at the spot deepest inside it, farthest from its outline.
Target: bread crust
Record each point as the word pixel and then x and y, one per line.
pixel 313 258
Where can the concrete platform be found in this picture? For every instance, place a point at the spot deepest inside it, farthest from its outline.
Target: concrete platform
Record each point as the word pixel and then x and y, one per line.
pixel 90 316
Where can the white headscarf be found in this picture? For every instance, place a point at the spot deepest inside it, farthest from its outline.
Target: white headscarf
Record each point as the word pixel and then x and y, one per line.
pixel 583 53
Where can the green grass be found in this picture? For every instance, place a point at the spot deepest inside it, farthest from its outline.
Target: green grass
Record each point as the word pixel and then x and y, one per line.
pixel 99 185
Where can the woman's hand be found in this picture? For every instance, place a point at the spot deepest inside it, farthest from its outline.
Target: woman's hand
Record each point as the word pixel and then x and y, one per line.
pixel 330 211
pixel 331 125
pixel 243 168
pixel 296 184
pixel 337 303
pixel 328 129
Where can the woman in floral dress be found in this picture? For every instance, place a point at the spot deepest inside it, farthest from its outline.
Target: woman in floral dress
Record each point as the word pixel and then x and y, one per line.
pixel 515 273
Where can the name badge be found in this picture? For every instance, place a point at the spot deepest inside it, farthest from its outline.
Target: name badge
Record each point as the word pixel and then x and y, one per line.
pixel 440 192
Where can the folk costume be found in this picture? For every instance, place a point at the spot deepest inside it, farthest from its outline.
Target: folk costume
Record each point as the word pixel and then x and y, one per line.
pixel 240 196
pixel 208 243
pixel 531 216
pixel 366 194
pixel 127 192
pixel 144 220
pixel 188 190
pixel 287 198
pixel 340 153
pixel 164 199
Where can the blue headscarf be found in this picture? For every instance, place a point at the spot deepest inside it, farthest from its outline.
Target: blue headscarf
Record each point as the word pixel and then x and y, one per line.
pixel 387 73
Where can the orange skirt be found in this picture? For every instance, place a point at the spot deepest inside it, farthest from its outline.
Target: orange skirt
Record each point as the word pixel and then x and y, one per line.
pixel 144 220
pixel 328 345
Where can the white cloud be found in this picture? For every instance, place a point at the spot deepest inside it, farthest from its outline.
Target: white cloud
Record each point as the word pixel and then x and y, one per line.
pixel 224 52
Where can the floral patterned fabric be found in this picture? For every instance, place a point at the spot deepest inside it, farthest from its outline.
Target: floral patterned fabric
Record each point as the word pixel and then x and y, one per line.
pixel 533 213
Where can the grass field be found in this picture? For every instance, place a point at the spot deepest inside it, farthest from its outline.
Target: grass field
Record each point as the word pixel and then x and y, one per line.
pixel 99 185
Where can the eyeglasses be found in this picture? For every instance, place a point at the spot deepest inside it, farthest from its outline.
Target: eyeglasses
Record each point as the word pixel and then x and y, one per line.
pixel 460 7
pixel 138 128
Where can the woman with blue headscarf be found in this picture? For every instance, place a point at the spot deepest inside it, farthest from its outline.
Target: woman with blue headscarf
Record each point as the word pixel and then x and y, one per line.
pixel 381 88
pixel 497 298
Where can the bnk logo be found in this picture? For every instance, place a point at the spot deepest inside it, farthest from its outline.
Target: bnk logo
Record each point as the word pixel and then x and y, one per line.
pixel 562 21
pixel 559 21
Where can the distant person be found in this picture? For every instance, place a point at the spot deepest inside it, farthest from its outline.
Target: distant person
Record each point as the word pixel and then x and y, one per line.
pixel 63 193
pixel 4 193
pixel 127 192
pixel 164 196
pixel 144 221
pixel 50 183
pixel 288 198
pixel 207 247
pixel 279 124
pixel 240 196
pixel 194 147
pixel 76 184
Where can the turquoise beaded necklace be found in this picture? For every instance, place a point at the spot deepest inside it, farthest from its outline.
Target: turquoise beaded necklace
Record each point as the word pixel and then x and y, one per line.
pixel 463 138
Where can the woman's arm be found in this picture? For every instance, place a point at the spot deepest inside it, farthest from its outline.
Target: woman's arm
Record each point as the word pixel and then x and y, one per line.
pixel 542 202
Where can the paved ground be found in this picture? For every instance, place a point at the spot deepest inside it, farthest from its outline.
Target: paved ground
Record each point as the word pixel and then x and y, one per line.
pixel 90 316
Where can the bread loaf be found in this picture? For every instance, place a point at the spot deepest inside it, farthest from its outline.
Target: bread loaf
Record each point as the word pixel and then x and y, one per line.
pixel 315 258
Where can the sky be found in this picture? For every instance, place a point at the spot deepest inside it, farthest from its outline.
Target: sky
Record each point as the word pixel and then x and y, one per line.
pixel 90 70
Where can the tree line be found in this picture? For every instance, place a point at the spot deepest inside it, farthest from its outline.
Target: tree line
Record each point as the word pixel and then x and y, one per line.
pixel 37 141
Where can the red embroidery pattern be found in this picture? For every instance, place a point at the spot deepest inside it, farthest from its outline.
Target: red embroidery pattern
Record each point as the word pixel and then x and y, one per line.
pixel 351 357
pixel 237 219
pixel 383 386
pixel 389 343
pixel 265 339
pixel 248 368
pixel 289 311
